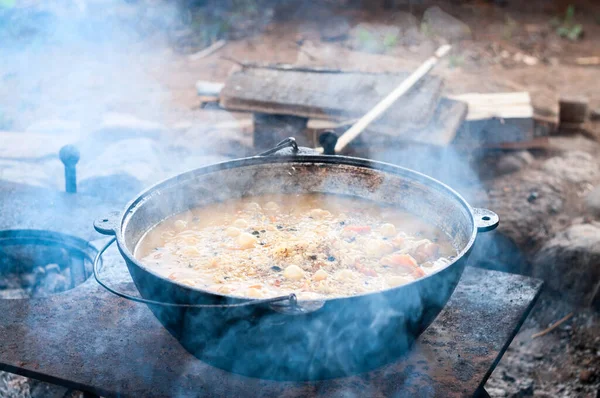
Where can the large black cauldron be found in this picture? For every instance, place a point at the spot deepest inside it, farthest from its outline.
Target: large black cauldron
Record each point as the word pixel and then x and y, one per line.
pixel 305 340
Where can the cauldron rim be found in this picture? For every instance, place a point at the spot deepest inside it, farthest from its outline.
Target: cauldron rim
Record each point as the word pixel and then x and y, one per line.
pixel 129 210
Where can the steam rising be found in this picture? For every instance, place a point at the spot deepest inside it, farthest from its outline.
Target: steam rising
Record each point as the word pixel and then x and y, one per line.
pixel 77 62
pixel 86 62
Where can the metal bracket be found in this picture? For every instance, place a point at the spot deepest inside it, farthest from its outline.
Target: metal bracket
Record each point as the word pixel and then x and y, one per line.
pixel 289 142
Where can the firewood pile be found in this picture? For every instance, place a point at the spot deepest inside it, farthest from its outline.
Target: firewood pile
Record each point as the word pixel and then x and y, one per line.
pixel 290 100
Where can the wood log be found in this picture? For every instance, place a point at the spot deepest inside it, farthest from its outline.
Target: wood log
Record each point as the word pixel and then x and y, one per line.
pixel 573 109
pixel 440 131
pixel 330 95
pixel 497 118
pixel 209 89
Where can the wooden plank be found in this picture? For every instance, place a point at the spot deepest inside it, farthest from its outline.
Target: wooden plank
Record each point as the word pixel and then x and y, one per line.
pixel 441 131
pixel 330 95
pixel 324 124
pixel 497 105
pixel 497 118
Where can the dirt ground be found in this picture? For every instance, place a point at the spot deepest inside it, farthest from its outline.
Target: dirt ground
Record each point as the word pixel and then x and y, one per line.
pixel 513 48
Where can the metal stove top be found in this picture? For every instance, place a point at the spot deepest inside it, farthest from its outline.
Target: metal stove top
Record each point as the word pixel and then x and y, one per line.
pixel 90 340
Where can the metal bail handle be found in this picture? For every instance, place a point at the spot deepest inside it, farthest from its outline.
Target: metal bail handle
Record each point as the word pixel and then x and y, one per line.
pixel 289 142
pixel 293 302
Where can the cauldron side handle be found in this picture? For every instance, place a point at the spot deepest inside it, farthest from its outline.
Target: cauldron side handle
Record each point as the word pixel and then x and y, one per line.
pixel 109 224
pixel 485 220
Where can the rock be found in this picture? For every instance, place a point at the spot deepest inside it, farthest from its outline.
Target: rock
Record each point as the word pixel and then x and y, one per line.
pixel 140 158
pixel 570 263
pixel 440 23
pixel 574 143
pixel 513 162
pixel 526 224
pixel 409 27
pixel 14 386
pixel 508 377
pixel 496 392
pixel 526 387
pixel 55 126
pixel 48 173
pixel 41 389
pixel 119 188
pixel 575 166
pixel 530 61
pixel 334 29
pixel 586 376
pixel 592 202
pixel 374 37
pixel 37 145
pixel 530 203
pixel 123 126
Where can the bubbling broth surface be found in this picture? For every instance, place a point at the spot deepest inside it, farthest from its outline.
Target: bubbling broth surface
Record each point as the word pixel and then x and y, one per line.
pixel 314 245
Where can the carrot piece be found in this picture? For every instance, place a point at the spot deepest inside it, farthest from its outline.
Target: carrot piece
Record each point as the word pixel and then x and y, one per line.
pixel 364 270
pixel 359 229
pixel 404 261
pixel 400 260
pixel 398 241
pixel 367 271
pixel 255 287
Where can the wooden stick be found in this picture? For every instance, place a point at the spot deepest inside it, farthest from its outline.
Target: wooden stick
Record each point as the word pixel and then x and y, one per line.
pixel 587 61
pixel 553 326
pixel 289 67
pixel 208 50
pixel 384 104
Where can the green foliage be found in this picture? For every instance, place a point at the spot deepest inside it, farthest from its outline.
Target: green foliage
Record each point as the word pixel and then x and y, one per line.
pixel 510 25
pixel 455 61
pixel 568 27
pixel 364 36
pixel 390 41
pixel 426 29
pixel 570 13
